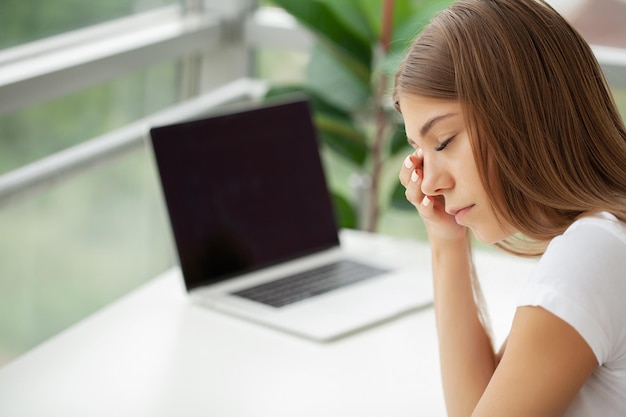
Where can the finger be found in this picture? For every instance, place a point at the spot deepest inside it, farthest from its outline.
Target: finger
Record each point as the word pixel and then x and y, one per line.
pixel 410 163
pixel 426 208
pixel 413 192
pixel 405 172
pixel 431 207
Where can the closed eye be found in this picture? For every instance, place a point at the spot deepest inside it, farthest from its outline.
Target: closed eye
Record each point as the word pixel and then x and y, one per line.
pixel 443 145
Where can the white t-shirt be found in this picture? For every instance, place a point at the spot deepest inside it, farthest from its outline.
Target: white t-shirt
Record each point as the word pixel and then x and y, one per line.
pixel 581 278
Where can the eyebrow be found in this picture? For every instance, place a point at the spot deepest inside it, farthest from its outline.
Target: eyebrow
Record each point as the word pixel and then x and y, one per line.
pixel 429 124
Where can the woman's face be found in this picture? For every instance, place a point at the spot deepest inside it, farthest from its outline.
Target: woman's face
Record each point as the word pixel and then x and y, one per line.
pixel 438 129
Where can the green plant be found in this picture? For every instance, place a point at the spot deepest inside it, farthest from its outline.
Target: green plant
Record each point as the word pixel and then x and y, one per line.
pixel 359 43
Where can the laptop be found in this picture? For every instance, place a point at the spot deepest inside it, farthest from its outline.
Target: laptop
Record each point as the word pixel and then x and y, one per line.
pixel 255 231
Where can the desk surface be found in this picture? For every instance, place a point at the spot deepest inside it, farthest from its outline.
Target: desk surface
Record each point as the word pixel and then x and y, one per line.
pixel 152 353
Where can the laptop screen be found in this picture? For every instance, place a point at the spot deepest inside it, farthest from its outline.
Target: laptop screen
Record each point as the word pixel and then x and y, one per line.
pixel 244 190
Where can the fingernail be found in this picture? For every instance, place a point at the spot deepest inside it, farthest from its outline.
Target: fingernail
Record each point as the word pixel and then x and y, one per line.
pixel 407 162
pixel 420 153
pixel 426 201
pixel 414 176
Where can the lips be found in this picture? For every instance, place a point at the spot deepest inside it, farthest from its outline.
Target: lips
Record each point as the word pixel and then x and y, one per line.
pixel 459 214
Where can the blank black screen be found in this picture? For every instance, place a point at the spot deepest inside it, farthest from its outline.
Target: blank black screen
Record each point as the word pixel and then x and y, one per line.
pixel 244 190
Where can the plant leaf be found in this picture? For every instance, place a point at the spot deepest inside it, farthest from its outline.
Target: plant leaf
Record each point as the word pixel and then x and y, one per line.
pixel 317 103
pixel 345 213
pixel 341 136
pixel 398 142
pixel 398 199
pixel 410 17
pixel 321 106
pixel 335 82
pixel 372 11
pixel 356 15
pixel 285 89
pixel 320 18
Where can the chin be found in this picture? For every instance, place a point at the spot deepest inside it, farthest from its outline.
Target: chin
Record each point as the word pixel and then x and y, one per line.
pixel 488 237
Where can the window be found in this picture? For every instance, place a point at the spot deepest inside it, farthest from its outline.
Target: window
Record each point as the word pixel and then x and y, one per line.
pixel 82 75
pixel 24 21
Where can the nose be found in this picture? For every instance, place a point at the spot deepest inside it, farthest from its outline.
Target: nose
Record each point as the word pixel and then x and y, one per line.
pixel 436 179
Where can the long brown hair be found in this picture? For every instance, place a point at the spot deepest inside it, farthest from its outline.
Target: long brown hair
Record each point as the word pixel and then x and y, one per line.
pixel 549 143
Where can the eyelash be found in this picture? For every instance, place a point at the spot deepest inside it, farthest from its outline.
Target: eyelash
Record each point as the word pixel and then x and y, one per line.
pixel 444 144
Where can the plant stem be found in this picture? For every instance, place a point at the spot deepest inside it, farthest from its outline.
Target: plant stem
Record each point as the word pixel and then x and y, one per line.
pixel 387 25
pixel 380 88
pixel 377 151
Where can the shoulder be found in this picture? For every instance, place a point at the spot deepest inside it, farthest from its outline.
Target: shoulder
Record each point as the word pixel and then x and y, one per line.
pixel 590 245
pixel 581 278
pixel 600 224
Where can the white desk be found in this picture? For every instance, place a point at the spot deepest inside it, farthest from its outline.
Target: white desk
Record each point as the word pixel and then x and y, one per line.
pixel 154 354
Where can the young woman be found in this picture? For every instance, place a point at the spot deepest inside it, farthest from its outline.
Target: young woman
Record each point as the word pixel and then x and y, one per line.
pixel 518 139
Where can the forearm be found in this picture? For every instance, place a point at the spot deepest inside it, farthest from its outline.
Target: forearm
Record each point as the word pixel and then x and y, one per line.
pixel 466 354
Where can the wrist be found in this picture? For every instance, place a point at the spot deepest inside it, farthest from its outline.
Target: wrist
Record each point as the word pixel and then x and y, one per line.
pixel 447 249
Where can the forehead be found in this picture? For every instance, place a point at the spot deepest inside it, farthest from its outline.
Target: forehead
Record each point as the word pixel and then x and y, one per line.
pixel 418 109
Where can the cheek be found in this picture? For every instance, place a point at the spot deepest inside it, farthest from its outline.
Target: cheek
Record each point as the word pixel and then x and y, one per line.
pixel 477 184
pixel 466 170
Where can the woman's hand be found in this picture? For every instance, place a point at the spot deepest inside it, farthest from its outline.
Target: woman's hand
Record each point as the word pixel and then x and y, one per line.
pixel 440 226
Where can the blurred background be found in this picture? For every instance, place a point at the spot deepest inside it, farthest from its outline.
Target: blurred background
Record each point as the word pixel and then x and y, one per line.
pixel 82 222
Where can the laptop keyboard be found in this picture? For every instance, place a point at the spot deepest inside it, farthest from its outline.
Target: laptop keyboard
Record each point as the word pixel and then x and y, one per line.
pixel 306 284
